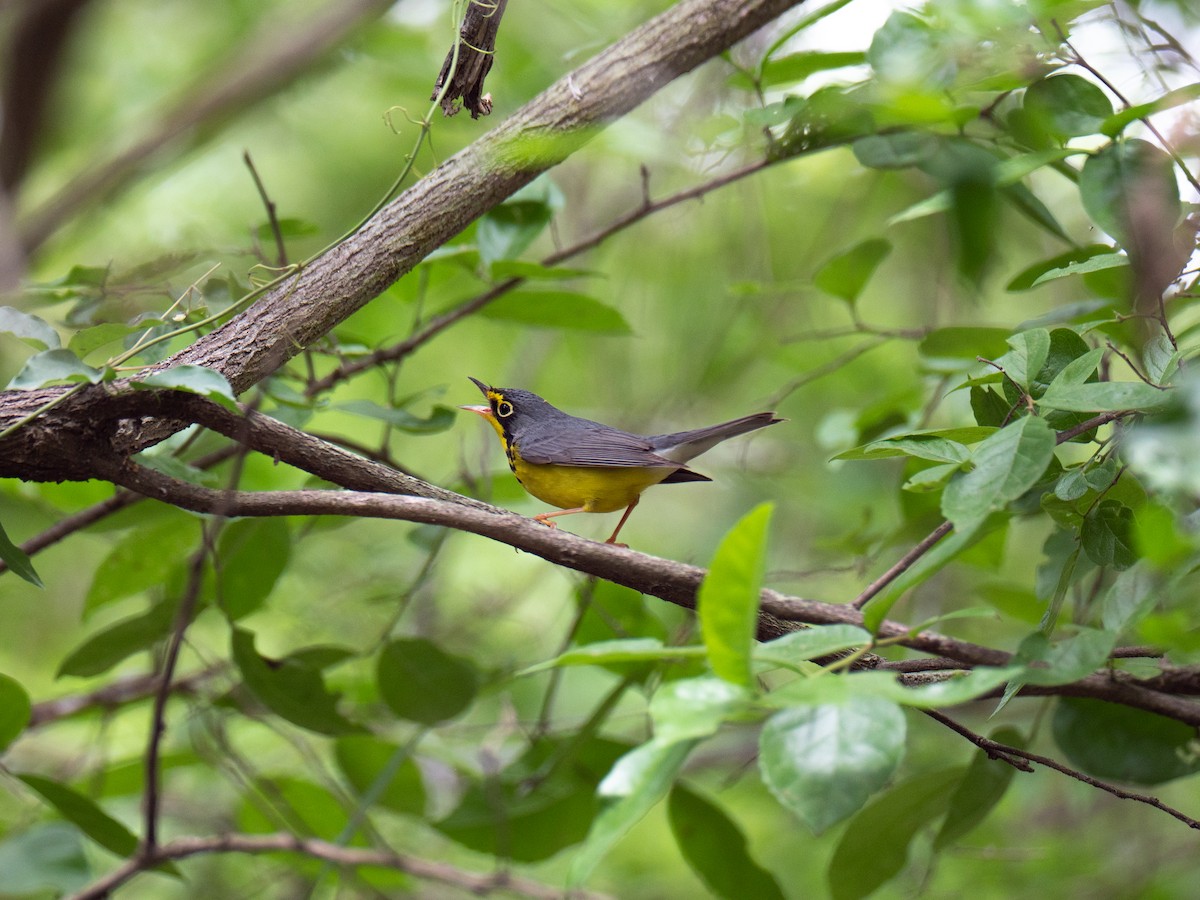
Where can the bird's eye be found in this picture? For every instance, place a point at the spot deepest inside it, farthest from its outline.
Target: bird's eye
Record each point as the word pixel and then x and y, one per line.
pixel 504 409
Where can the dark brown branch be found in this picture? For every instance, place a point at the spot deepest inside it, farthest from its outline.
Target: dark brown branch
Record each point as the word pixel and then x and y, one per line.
pixel 902 565
pixel 122 691
pixel 468 64
pixel 1020 759
pixel 428 870
pixel 669 580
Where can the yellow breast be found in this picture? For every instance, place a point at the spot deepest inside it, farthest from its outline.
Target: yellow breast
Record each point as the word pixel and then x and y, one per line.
pixel 597 489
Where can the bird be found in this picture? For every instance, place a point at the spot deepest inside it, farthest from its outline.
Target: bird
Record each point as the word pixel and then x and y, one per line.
pixel 583 466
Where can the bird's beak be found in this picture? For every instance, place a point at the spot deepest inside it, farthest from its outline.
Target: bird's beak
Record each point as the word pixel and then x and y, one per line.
pixel 485 411
pixel 483 388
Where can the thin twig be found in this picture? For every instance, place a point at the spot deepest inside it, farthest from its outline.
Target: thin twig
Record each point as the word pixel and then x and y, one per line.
pixel 438 324
pixel 1020 759
pixel 902 564
pixel 280 248
pixel 439 872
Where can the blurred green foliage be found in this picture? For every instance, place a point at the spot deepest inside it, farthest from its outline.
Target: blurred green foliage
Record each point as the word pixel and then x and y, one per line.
pixel 935 275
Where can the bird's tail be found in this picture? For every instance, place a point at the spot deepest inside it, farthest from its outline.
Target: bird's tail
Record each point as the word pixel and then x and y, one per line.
pixel 684 445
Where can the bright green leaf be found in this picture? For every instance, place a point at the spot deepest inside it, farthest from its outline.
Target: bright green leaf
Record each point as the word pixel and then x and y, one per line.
pixel 251 556
pixel 1125 175
pixel 823 761
pixel 1067 105
pixel 143 559
pixel 695 707
pixel 727 603
pixel 1105 396
pixel 1095 263
pixel 1007 464
pixel 439 419
pixel 810 643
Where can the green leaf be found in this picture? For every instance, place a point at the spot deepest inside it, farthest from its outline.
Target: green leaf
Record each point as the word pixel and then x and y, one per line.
pixel 50 366
pixel 1007 464
pixel 520 268
pixel 1110 741
pixel 715 848
pixel 1107 535
pixel 1127 175
pixel 14 710
pixel 506 230
pixel 557 309
pixel 623 650
pixel 423 683
pixel 1032 275
pixel 17 560
pixel 1105 396
pixel 86 340
pixel 502 817
pixel 1030 350
pixel 251 556
pixel 845 275
pixel 874 847
pixel 935 449
pixel 796 67
pixel 899 150
pixel 194 379
pixel 33 330
pixel 143 559
pixel 85 815
pixel 1066 105
pixel 638 780
pixel 379 768
pixel 695 707
pixel 289 688
pixel 810 643
pixel 287 226
pixel 981 788
pixel 1079 370
pixel 727 603
pixel 1117 122
pixel 1095 263
pixel 1132 594
pixel 100 652
pixel 46 860
pixel 823 761
pixel 1068 660
pixel 440 418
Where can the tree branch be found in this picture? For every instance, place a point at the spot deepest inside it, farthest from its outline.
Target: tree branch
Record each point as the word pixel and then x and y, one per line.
pixel 663 578
pixel 471 60
pixel 429 870
pixel 1020 759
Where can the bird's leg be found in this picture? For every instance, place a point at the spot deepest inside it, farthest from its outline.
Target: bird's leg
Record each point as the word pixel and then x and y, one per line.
pixel 545 518
pixel 620 525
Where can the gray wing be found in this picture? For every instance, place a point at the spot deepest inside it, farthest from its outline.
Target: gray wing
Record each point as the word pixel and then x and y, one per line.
pixel 585 443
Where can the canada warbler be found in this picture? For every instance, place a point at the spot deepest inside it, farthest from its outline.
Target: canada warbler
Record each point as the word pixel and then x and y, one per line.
pixel 583 466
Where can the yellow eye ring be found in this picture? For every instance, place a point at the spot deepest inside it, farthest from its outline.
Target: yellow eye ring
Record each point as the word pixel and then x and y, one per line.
pixel 504 409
